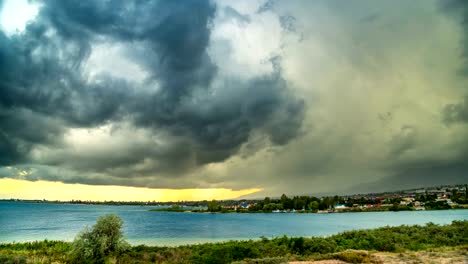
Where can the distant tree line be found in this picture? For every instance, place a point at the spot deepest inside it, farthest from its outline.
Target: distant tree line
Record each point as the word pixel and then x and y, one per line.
pixel 314 204
pixel 309 203
pixel 306 203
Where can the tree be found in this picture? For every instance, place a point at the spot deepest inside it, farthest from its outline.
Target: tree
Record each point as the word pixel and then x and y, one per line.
pixel 286 202
pixel 314 206
pixel 395 207
pixel 213 206
pixel 96 244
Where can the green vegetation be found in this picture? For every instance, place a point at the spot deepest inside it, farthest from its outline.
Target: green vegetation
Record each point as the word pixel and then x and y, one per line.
pixel 311 204
pixel 277 250
pixel 173 208
pixel 213 206
pixel 35 252
pixel 397 207
pixel 104 240
pixel 438 205
pixel 437 199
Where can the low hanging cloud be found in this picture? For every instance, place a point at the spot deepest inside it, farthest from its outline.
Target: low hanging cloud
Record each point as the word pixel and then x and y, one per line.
pixel 455 113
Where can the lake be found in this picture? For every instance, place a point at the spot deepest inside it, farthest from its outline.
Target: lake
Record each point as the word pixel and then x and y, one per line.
pixel 31 221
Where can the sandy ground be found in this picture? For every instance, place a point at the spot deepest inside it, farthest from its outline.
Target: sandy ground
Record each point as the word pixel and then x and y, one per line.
pixel 450 256
pixel 447 257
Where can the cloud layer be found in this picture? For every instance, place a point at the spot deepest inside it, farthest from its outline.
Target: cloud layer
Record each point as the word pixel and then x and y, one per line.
pixel 188 114
pixel 295 97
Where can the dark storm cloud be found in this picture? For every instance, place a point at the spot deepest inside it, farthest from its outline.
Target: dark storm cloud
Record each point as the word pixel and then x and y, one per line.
pixel 460 9
pixel 43 74
pixel 21 130
pixel 44 90
pixel 177 33
pixel 458 112
pixel 10 151
pixel 40 79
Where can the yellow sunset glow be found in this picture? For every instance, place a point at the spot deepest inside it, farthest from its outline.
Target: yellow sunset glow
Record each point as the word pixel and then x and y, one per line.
pixel 21 189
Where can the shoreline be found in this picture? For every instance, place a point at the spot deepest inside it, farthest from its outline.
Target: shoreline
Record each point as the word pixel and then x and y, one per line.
pixel 359 245
pixel 55 222
pixel 191 241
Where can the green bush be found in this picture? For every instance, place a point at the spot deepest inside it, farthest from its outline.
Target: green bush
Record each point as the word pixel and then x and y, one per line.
pixel 103 240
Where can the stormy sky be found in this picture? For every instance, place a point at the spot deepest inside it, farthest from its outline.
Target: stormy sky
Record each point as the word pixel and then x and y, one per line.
pixel 296 97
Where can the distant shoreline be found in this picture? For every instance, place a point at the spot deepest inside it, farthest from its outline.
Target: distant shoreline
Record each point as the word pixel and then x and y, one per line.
pixel 441 198
pixel 397 193
pixel 168 210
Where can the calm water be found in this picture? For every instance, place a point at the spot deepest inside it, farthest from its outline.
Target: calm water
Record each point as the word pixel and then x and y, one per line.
pixel 28 222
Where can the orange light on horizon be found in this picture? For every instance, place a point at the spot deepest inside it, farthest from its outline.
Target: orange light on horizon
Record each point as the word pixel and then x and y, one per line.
pixel 38 190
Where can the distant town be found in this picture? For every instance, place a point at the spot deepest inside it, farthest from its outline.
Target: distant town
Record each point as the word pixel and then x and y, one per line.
pixel 430 198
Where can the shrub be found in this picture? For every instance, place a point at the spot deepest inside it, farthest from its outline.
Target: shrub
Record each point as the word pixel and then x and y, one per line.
pixel 96 244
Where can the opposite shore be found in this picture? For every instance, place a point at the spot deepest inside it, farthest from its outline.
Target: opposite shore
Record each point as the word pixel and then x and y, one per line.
pixel 454 197
pixel 429 198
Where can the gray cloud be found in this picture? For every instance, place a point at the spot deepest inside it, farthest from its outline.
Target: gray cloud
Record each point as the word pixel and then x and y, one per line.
pixel 458 112
pixel 429 173
pixel 459 9
pixel 45 91
pixel 403 141
pixel 375 119
pixel 454 113
pixel 229 96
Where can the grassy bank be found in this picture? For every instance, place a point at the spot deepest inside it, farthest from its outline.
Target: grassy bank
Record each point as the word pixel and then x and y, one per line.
pixel 342 246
